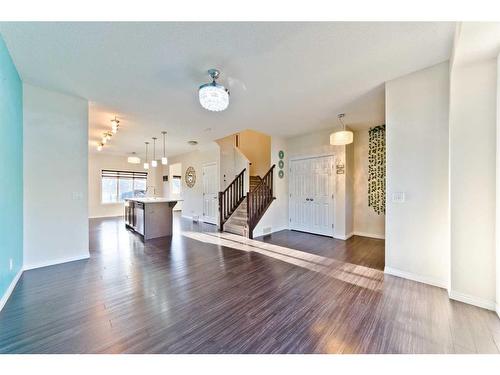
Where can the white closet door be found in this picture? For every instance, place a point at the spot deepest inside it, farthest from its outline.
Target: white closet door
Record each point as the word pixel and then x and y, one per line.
pixel 210 193
pixel 311 195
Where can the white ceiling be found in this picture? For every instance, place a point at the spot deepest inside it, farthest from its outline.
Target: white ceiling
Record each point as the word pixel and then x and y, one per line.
pixel 285 78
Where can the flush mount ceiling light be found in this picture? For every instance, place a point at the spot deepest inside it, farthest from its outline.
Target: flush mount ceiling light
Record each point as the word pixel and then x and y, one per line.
pixel 341 137
pixel 213 97
pixel 164 159
pixel 192 143
pixel 134 159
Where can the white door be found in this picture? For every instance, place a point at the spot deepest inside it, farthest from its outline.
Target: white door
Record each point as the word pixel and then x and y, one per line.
pixel 311 195
pixel 210 193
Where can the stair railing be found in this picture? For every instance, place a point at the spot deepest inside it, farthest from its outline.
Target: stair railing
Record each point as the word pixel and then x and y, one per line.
pixel 230 198
pixel 259 200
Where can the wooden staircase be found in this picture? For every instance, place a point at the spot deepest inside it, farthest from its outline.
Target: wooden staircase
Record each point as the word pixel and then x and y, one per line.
pixel 245 216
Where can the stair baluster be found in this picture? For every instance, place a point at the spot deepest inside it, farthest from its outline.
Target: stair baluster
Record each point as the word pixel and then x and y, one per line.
pixel 230 198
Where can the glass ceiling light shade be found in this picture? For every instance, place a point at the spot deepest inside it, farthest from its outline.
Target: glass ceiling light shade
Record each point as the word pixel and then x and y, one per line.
pixel 213 97
pixel 341 137
pixel 164 160
pixel 154 163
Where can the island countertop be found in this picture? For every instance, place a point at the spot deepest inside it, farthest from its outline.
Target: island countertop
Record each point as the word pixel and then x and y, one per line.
pixel 151 217
pixel 153 200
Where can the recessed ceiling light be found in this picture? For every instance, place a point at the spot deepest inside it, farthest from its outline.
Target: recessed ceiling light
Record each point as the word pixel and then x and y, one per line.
pixel 192 143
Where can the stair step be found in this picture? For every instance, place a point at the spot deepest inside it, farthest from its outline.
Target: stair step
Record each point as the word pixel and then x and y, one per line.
pixel 235 229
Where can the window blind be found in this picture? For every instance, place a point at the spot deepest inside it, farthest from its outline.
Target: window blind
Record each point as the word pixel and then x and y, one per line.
pixel 124 174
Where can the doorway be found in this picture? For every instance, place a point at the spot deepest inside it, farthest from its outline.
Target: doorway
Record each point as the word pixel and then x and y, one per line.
pixel 210 193
pixel 174 184
pixel 312 186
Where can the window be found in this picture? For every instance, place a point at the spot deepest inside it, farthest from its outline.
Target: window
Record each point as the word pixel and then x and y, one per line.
pixel 176 185
pixel 118 185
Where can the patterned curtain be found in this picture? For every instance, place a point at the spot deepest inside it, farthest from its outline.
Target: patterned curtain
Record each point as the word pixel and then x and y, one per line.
pixel 376 169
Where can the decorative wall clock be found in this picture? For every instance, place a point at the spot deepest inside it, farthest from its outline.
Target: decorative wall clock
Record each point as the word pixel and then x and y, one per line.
pixel 190 177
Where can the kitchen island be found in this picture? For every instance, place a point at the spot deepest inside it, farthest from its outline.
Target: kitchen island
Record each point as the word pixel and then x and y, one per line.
pixel 150 217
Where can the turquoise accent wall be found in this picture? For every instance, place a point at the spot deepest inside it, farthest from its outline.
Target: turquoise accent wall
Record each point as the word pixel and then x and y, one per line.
pixel 11 170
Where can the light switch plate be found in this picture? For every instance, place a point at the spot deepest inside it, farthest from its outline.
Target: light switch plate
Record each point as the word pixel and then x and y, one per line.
pixel 398 197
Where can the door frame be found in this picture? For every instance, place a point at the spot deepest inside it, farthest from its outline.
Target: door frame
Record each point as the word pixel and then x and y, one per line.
pixel 203 165
pixel 334 188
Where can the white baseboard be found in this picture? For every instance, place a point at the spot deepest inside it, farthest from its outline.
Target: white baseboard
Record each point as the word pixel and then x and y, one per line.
pixel 54 262
pixel 472 300
pixel 371 235
pixel 10 289
pixel 414 277
pixel 343 238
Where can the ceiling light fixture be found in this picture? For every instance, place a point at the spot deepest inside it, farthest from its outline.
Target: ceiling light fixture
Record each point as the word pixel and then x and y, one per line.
pixel 115 124
pixel 164 159
pixel 154 163
pixel 341 137
pixel 134 159
pixel 146 164
pixel 213 96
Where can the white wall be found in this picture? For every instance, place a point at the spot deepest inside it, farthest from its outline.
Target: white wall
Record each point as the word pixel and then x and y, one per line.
pixel 472 181
pixel 276 216
pixel 366 221
pixel 55 177
pixel 417 231
pixel 193 197
pixel 100 161
pixel 257 148
pixel 318 143
pixel 497 228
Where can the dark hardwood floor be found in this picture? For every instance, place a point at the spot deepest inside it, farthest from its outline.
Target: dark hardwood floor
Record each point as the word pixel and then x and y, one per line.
pixel 205 292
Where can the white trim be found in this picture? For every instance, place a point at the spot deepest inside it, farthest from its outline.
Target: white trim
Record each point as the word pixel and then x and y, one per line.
pixel 333 192
pixel 371 235
pixel 498 310
pixel 104 216
pixel 344 238
pixel 55 261
pixel 311 156
pixel 472 300
pixel 10 289
pixel 419 278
